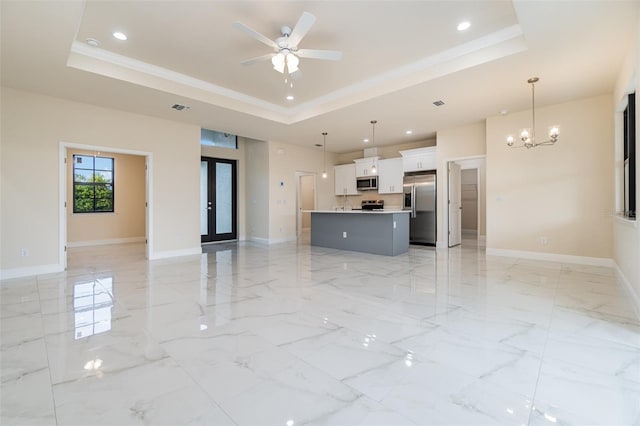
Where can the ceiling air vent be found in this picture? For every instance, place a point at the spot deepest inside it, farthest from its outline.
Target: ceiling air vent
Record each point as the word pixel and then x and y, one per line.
pixel 179 107
pixel 438 103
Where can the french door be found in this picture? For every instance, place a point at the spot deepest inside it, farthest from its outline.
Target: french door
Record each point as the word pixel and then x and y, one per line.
pixel 218 200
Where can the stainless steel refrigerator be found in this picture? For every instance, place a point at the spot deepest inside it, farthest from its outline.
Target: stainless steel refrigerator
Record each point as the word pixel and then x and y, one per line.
pixel 420 198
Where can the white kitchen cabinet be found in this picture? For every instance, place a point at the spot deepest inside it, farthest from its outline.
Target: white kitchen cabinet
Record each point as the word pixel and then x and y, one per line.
pixel 363 166
pixel 390 176
pixel 345 179
pixel 419 159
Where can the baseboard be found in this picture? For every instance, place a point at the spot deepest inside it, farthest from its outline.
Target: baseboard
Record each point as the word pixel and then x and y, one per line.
pixel 106 242
pixel 635 297
pixel 267 241
pixel 282 240
pixel 258 240
pixel 175 253
pixel 7 274
pixel 552 257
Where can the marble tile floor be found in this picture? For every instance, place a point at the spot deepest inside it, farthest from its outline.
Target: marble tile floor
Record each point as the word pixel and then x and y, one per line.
pixel 290 335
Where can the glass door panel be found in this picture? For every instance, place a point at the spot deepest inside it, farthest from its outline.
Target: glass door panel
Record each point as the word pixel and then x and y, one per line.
pixel 218 199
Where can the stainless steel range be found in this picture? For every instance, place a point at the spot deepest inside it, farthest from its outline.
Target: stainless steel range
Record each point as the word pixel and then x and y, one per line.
pixel 372 205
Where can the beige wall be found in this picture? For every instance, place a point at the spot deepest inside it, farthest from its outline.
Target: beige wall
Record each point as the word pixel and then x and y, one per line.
pixel 384 151
pixel 284 161
pixel 626 234
pixel 127 222
pixel 33 127
pixel 257 198
pixel 562 193
pixel 240 156
pixel 454 144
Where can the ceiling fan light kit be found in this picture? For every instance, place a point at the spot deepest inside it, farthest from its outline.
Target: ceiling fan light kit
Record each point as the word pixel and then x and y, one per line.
pixel 287 56
pixel 528 136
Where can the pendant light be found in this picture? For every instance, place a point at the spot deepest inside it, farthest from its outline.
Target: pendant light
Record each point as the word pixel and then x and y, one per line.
pixel 324 155
pixel 528 136
pixel 373 143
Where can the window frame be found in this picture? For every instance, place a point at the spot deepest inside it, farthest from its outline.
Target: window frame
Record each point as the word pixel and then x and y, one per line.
pixel 94 184
pixel 629 166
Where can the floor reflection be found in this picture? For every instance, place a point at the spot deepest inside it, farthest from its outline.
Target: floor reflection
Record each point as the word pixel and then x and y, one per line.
pixel 92 305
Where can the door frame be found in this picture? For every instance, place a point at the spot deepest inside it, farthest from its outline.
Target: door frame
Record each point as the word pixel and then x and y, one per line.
pixel 234 201
pixel 62 201
pixel 299 176
pixel 458 213
pixel 470 162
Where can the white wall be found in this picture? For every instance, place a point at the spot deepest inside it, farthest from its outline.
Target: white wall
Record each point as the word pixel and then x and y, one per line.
pixel 127 222
pixel 626 234
pixel 33 127
pixel 562 193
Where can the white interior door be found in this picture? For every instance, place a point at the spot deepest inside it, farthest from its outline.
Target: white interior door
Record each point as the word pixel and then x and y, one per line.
pixel 455 205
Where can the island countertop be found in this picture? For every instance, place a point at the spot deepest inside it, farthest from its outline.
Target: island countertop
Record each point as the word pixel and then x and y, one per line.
pixel 358 211
pixel 384 232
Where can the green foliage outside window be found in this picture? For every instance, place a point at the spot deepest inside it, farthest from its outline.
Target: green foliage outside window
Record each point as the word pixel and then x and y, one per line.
pixel 92 184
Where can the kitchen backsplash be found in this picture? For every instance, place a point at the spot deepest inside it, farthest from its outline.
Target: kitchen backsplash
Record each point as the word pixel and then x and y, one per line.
pixel 391 201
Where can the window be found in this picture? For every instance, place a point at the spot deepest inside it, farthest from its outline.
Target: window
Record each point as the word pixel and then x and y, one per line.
pixel 92 184
pixel 630 158
pixel 219 139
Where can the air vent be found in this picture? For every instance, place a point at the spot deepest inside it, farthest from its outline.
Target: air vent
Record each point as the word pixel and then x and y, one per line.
pixel 179 107
pixel 438 103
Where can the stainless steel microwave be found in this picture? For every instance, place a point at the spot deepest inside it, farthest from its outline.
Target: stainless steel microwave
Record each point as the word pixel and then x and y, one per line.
pixel 367 183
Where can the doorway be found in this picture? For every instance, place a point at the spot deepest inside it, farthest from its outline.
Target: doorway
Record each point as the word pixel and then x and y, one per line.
pixel 469 182
pixel 305 200
pixel 466 216
pixel 65 206
pixel 218 200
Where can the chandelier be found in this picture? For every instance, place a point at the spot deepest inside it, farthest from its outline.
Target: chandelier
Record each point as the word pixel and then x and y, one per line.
pixel 528 136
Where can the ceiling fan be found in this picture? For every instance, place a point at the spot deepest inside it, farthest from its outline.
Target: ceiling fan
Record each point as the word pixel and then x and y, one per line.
pixel 286 53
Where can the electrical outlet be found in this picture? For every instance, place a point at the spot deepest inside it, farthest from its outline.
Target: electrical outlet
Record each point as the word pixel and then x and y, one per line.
pixel 24 252
pixel 394 224
pixel 544 241
pixel 344 234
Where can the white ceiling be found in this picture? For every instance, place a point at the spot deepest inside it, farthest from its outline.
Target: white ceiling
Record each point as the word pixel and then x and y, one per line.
pixel 398 58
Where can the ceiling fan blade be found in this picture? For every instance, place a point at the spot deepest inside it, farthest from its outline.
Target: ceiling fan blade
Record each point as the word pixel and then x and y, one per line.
pixel 301 29
pixel 296 75
pixel 253 33
pixel 330 55
pixel 250 61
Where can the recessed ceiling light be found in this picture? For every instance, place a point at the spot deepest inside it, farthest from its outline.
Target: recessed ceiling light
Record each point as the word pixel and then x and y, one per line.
pixel 120 36
pixel 290 98
pixel 464 25
pixel 408 132
pixel 180 107
pixel 319 145
pixel 504 112
pixel 365 140
pixel 92 42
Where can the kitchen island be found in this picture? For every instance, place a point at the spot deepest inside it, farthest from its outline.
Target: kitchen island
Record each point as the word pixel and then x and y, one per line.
pixel 383 232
